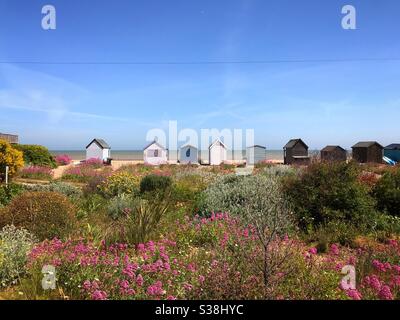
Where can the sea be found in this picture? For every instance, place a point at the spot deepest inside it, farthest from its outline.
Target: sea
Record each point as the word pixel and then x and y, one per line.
pixel 173 155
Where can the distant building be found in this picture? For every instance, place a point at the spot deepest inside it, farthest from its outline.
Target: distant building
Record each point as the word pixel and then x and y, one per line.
pixel 217 153
pixel 333 153
pixel 188 154
pixel 368 152
pixel 155 154
pixel 98 149
pixel 256 154
pixel 296 152
pixel 392 151
pixel 11 138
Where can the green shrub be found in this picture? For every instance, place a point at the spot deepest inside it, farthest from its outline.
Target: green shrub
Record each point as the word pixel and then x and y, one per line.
pixel 37 155
pixel 155 183
pixel 327 192
pixel 45 214
pixel 335 232
pixel 187 189
pixel 387 192
pixel 120 183
pixel 57 186
pixel 120 206
pixel 7 193
pixel 14 246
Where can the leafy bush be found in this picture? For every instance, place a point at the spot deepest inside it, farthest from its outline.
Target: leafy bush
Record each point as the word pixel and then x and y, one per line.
pixel 187 189
pixel 387 192
pixel 9 157
pixel 155 183
pixel 57 186
pixel 119 207
pixel 120 183
pixel 45 214
pixel 63 159
pixel 36 172
pixel 14 247
pixel 327 192
pixel 35 155
pixel 7 193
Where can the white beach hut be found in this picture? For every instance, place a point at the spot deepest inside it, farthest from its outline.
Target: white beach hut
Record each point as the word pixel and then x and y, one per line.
pixel 217 153
pixel 98 149
pixel 188 154
pixel 256 154
pixel 155 154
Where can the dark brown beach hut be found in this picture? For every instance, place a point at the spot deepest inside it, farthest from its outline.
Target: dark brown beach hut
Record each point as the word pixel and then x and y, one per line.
pixel 333 153
pixel 368 152
pixel 296 152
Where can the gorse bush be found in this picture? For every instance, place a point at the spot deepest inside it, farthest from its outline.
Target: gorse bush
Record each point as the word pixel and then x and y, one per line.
pixel 45 214
pixel 10 157
pixel 35 155
pixel 329 191
pixel 120 183
pixel 15 245
pixel 155 183
pixel 7 193
pixel 387 192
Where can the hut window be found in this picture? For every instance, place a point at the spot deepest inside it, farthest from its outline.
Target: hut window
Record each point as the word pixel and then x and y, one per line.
pixel 188 153
pixel 152 153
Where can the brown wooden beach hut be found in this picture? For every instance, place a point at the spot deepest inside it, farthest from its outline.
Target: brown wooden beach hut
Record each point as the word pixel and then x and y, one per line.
pixel 368 152
pixel 11 138
pixel 333 153
pixel 296 152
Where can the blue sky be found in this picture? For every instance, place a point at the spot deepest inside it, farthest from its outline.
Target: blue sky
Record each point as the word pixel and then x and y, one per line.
pixel 64 106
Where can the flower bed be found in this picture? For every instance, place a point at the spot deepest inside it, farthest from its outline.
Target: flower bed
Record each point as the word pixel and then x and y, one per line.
pixel 36 172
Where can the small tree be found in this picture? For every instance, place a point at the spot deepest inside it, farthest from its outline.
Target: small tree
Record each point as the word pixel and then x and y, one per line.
pixel 258 201
pixel 9 157
pixel 266 208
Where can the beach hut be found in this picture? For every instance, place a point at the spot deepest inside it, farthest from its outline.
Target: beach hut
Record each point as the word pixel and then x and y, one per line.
pixel 333 153
pixel 155 154
pixel 11 138
pixel 98 149
pixel 368 152
pixel 296 152
pixel 188 154
pixel 217 153
pixel 256 154
pixel 392 151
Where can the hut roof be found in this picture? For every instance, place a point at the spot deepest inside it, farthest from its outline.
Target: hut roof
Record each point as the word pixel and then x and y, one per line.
pixel 257 146
pixel 293 142
pixel 393 146
pixel 218 141
pixel 187 145
pixel 366 144
pixel 332 148
pixel 156 143
pixel 100 142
